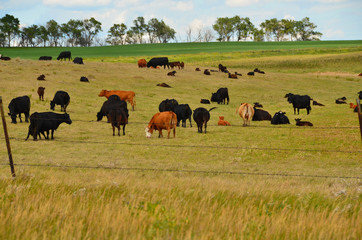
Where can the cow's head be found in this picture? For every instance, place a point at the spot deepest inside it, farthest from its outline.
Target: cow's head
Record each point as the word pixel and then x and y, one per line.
pixel 148 132
pixel 52 105
pixel 102 93
pixel 67 118
pixel 214 97
pixel 99 116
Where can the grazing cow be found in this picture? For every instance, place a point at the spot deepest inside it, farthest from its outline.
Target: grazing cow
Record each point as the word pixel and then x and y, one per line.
pixel 167 105
pixel 142 63
pixel 222 68
pixel 160 61
pixel 113 102
pixel 299 102
pixel 41 93
pixel 317 103
pixel 360 95
pixel 162 120
pixel 351 105
pixel 183 112
pixel 128 96
pixel 257 104
pixel 19 105
pixel 175 64
pixel 41 77
pixel 233 76
pixel 261 115
pixel 205 101
pixel 222 122
pixel 303 123
pixel 45 122
pixel 201 117
pixel 207 72
pixel 171 73
pixel 251 74
pixel 45 58
pixel 78 60
pixel 65 55
pixel 246 112
pixel 220 96
pixel 118 117
pixel 197 69
pixel 60 98
pixel 182 65
pixel 163 85
pixel 84 79
pixel 280 118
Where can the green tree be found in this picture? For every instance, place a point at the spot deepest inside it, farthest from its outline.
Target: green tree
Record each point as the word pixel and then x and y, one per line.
pixel 224 27
pixel 305 30
pixel 43 35
pixel 288 28
pixel 116 34
pixel 273 28
pixel 28 35
pixel 9 27
pixel 151 29
pixel 54 32
pixel 164 32
pixel 73 29
pixel 139 28
pixel 258 35
pixel 243 27
pixel 91 27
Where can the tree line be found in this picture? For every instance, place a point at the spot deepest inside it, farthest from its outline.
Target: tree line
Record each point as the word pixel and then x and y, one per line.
pixel 84 32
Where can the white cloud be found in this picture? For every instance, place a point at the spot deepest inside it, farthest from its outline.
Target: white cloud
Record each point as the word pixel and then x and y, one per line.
pixel 289 17
pixel 183 6
pixel 72 3
pixel 240 3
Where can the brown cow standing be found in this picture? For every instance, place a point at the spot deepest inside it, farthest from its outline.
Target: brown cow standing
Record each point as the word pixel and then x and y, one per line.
pixel 175 64
pixel 142 63
pixel 182 65
pixel 246 112
pixel 123 95
pixel 162 120
pixel 41 93
pixel 118 117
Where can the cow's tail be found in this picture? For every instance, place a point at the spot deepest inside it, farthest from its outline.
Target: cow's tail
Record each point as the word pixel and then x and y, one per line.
pixel 211 109
pixel 173 120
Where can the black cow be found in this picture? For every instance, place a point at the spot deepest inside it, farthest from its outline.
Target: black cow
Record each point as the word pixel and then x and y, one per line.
pixel 201 117
pixel 45 122
pixel 65 55
pixel 160 61
pixel 45 58
pixel 280 118
pixel 205 101
pixel 17 106
pixel 360 95
pixel 5 58
pixel 84 79
pixel 299 102
pixel 220 96
pixel 183 112
pixel 250 74
pixel 167 105
pixel 261 115
pixel 118 117
pixel 112 103
pixel 78 60
pixel 60 98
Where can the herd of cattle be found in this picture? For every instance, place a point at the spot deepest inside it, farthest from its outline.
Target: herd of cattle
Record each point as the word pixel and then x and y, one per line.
pixel 171 113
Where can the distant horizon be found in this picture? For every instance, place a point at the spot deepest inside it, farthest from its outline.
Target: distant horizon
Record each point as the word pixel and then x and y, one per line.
pixel 335 19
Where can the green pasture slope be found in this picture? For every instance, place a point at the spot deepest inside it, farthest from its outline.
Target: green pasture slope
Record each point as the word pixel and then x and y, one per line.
pixel 148 50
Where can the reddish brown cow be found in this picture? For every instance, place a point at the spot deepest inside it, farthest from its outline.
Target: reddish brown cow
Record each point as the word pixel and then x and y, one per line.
pixel 41 93
pixel 142 63
pixel 222 122
pixel 162 120
pixel 175 64
pixel 127 96
pixel 246 112
pixel 182 65
pixel 351 105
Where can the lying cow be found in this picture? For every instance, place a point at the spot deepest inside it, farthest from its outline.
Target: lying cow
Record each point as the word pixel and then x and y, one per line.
pixel 205 101
pixel 78 60
pixel 222 122
pixel 45 58
pixel 303 123
pixel 45 122
pixel 128 96
pixel 261 115
pixel 246 112
pixel 160 121
pixel 201 117
pixel 280 118
pixel 60 98
pixel 19 105
pixel 183 112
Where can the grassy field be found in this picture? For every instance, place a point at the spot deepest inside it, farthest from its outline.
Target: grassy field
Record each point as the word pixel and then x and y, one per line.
pixel 257 182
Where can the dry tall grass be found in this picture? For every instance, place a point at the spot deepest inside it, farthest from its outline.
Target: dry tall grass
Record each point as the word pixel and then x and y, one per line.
pixel 83 203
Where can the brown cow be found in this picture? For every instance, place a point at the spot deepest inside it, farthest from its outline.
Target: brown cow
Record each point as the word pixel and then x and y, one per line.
pixel 233 76
pixel 162 120
pixel 246 112
pixel 123 95
pixel 351 105
pixel 41 93
pixel 182 65
pixel 142 63
pixel 118 117
pixel 303 123
pixel 175 64
pixel 171 73
pixel 222 122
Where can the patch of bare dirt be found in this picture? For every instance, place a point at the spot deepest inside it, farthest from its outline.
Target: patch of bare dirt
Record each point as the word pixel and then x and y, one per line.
pixel 335 74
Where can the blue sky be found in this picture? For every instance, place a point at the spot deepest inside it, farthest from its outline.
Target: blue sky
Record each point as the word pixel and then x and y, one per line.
pixel 336 19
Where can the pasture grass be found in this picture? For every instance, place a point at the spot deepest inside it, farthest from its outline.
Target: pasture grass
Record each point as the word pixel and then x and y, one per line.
pixel 87 184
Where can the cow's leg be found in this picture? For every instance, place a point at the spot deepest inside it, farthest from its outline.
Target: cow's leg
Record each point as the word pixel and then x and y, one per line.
pixel 124 127
pixel 168 132
pixel 160 133
pixel 113 129
pixel 52 134
pixel 119 130
pixel 20 117
pixel 174 132
pixel 184 123
pixel 190 122
pixel 27 117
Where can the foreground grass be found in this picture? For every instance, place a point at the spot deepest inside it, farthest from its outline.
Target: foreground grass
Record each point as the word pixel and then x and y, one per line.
pixel 182 197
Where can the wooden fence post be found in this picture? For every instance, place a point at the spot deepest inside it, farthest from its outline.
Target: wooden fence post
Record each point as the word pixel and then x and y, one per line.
pixel 359 116
pixel 7 138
